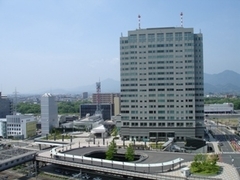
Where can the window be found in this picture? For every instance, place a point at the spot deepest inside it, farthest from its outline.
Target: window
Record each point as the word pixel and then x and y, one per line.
pixel 188 36
pixel 134 124
pixel 170 124
pixel 152 124
pixel 189 124
pixel 179 124
pixel 143 124
pixel 169 36
pixel 132 38
pixel 160 37
pixel 151 37
pixel 142 37
pixel 178 36
pixel 161 124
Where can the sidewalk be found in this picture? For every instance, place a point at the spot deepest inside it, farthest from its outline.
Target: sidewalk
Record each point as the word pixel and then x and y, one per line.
pixel 228 172
pixel 214 143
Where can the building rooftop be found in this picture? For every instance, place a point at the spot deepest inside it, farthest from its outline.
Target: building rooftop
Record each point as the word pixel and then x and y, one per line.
pixel 47 95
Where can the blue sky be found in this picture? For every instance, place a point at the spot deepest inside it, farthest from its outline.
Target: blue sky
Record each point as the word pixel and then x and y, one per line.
pixel 50 44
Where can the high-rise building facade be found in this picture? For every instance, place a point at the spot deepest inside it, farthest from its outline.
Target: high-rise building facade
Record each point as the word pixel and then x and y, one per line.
pixel 49 113
pixel 85 95
pixel 162 84
pixel 5 106
pixel 104 97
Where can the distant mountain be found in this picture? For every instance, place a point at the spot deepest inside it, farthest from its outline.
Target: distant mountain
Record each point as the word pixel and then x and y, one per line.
pixel 107 86
pixel 224 82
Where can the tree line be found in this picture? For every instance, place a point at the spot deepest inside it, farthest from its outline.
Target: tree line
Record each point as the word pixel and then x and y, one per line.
pixel 73 107
pixel 63 107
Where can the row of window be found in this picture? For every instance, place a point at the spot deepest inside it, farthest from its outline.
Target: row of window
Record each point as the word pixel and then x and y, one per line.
pixel 14 125
pixel 168 56
pixel 155 100
pixel 159 112
pixel 159 95
pixel 14 133
pixel 157 51
pixel 160 124
pixel 159 46
pixel 158 118
pixel 14 129
pixel 159 106
pixel 157 68
pixel 161 84
pixel 178 36
pixel 153 138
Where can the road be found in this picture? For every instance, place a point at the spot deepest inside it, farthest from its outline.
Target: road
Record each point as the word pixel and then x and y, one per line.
pixel 224 136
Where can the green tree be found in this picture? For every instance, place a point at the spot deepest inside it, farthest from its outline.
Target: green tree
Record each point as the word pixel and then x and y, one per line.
pixel 114 132
pixel 129 155
pixel 205 164
pixel 112 150
pixel 70 107
pixel 28 108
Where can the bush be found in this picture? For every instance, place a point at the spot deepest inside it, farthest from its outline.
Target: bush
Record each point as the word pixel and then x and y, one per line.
pixel 205 164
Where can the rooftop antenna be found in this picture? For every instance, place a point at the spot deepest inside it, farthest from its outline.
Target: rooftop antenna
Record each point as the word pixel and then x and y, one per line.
pixel 15 102
pixel 98 88
pixel 139 22
pixel 181 16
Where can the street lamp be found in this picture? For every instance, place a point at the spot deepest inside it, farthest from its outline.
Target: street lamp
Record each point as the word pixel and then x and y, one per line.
pixel 72 126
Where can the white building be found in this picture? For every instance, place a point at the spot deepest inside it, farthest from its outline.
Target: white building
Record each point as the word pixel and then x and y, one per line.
pixel 49 113
pixel 225 108
pixel 21 126
pixel 3 127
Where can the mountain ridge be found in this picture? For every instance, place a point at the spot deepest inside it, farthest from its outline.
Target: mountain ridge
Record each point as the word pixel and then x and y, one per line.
pixel 227 82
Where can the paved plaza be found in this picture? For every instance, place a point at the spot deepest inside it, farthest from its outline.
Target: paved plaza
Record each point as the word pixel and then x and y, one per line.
pixel 228 172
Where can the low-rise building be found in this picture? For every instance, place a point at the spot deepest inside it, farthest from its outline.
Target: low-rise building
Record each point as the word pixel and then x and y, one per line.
pixel 106 110
pixel 225 108
pixel 21 126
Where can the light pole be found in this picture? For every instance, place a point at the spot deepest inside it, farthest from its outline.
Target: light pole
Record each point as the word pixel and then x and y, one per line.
pixel 72 126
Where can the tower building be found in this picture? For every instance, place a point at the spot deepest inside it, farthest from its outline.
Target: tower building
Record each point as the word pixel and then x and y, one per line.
pixel 5 106
pixel 49 113
pixel 162 84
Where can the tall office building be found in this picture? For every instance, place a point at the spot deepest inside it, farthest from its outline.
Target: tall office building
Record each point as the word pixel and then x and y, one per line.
pixel 85 95
pixel 49 113
pixel 5 106
pixel 162 84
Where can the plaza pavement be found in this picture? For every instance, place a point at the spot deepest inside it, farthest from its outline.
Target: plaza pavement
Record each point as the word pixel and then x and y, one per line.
pixel 228 171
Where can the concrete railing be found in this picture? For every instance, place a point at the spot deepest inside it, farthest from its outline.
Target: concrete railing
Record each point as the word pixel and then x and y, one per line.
pixel 55 153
